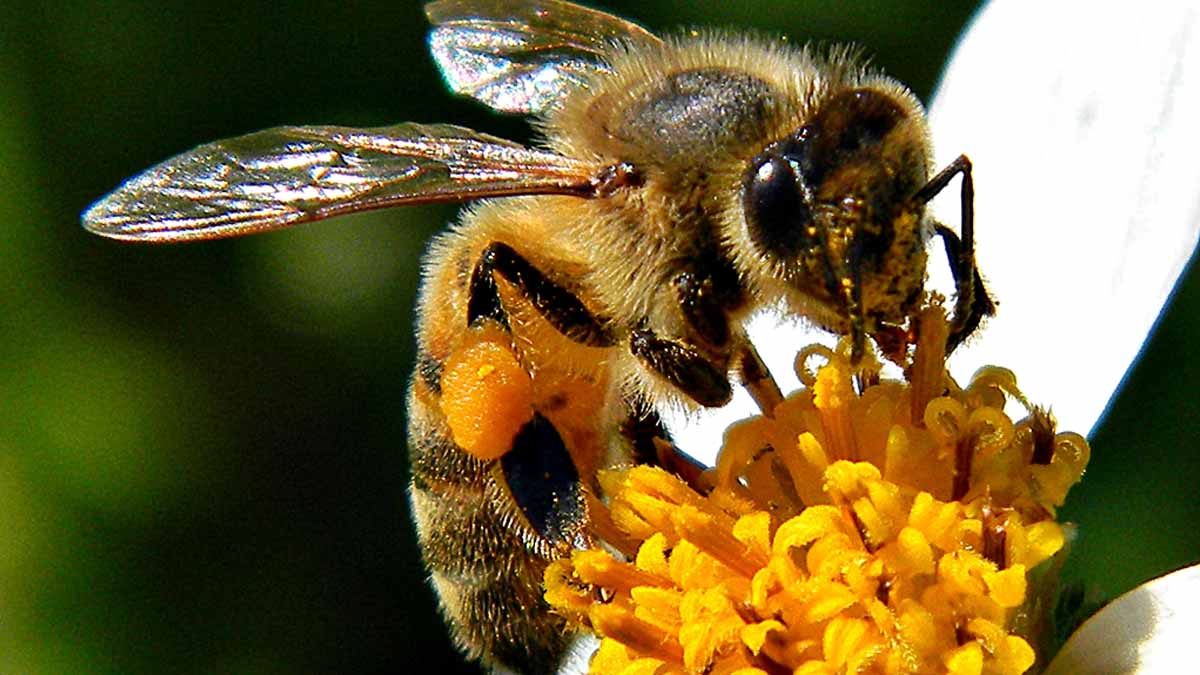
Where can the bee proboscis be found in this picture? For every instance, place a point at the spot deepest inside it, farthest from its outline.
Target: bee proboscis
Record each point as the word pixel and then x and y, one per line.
pixel 683 184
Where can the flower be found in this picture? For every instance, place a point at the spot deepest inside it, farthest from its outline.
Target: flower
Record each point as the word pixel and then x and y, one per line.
pixel 896 529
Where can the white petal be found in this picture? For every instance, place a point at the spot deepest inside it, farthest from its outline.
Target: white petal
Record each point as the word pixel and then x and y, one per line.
pixel 1151 629
pixel 1081 121
pixel 579 655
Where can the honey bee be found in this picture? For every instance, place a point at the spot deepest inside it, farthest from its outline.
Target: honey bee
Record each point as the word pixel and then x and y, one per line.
pixel 682 185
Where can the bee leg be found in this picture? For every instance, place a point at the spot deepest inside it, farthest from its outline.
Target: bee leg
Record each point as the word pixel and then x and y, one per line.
pixel 971 301
pixel 643 432
pixel 429 370
pixel 757 380
pixel 705 300
pixel 650 443
pixel 556 304
pixel 683 366
pixel 543 481
pixel 479 562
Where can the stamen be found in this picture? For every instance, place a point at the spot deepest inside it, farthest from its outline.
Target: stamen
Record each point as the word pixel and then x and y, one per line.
pixel 637 634
pixel 928 368
pixel 1041 426
pixel 832 395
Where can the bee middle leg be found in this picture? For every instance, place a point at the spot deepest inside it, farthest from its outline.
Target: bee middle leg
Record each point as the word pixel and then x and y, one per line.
pixel 684 366
pixel 757 380
pixel 650 442
pixel 705 300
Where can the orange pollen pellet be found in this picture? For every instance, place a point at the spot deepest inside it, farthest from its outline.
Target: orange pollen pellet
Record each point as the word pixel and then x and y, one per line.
pixel 487 396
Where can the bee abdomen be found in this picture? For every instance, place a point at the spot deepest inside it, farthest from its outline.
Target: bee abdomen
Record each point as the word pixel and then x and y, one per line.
pixel 489 587
pixel 486 562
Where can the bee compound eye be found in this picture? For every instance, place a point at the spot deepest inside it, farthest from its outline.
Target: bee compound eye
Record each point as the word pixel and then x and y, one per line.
pixel 777 213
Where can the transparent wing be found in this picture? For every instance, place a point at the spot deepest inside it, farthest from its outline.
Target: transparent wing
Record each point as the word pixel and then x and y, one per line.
pixel 288 175
pixel 522 55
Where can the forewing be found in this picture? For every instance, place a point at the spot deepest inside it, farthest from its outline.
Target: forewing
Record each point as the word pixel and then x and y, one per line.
pixel 520 55
pixel 288 175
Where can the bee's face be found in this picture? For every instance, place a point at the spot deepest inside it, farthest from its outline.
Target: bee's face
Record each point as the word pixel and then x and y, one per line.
pixel 830 207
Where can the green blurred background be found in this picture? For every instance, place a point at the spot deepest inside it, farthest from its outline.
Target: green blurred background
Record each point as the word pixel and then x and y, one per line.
pixel 202 446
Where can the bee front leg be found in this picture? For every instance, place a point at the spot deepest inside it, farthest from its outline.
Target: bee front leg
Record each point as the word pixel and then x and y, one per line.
pixel 554 303
pixel 971 301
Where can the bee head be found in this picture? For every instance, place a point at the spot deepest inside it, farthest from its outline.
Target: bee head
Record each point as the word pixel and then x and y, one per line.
pixel 831 207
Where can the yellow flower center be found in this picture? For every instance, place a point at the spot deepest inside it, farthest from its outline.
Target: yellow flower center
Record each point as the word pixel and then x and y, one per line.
pixel 866 526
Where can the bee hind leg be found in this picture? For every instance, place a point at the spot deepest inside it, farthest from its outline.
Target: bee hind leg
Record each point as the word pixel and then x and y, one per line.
pixel 479 561
pixel 556 304
pixel 543 481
